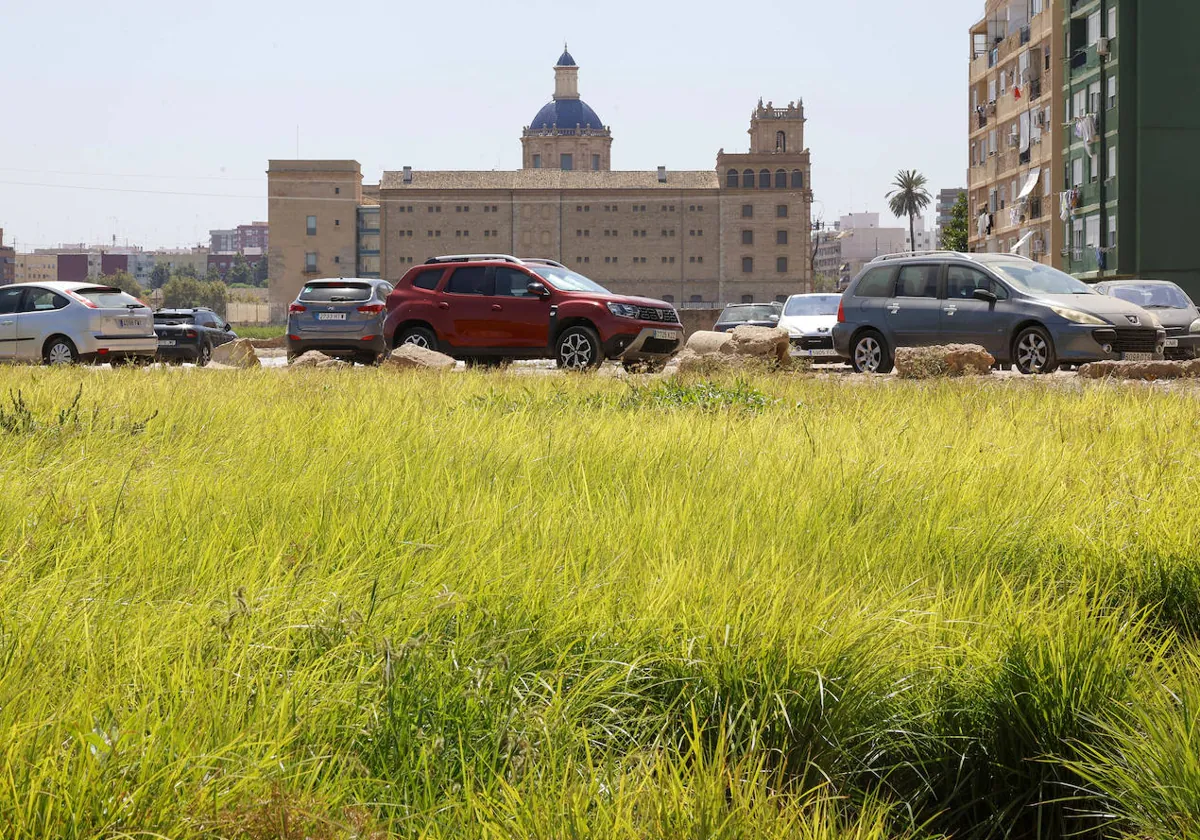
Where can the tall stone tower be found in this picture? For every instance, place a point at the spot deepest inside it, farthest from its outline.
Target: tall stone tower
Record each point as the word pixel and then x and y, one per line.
pixel 566 133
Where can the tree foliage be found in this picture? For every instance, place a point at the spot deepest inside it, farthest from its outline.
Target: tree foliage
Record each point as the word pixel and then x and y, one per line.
pixel 954 235
pixel 126 282
pixel 909 198
pixel 159 276
pixel 182 292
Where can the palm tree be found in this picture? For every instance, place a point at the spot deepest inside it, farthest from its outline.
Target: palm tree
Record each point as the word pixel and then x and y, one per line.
pixel 909 199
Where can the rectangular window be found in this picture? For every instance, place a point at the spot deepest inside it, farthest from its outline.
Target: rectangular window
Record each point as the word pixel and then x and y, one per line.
pixel 1080 106
pixel 537 161
pixel 1094 98
pixel 595 163
pixel 747 211
pixel 1092 236
pixel 747 265
pixel 1112 92
pixel 1112 22
pixel 1112 162
pixel 781 265
pixel 1077 238
pixel 781 237
pixel 1093 167
pixel 1093 28
pixel 566 162
pixel 1076 172
pixel 1112 231
pixel 310 262
pixel 781 211
pixel 311 224
pixel 918 281
pixel 747 237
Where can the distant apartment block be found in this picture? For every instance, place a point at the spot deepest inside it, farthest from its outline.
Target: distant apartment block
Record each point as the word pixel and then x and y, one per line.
pixel 247 240
pixel 946 199
pixel 1015 125
pixel 8 262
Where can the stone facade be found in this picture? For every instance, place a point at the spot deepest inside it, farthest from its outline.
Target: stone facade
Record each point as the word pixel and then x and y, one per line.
pixel 327 193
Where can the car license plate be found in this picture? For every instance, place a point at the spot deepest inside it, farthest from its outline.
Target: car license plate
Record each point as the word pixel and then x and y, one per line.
pixel 1138 357
pixel 331 316
pixel 166 342
pixel 130 323
pixel 1171 342
pixel 665 334
pixel 820 351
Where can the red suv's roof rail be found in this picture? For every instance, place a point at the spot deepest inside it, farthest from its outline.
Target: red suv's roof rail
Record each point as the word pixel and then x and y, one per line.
pixel 542 261
pixel 453 258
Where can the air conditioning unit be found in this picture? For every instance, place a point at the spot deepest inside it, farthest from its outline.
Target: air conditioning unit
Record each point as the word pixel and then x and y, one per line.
pixel 1102 48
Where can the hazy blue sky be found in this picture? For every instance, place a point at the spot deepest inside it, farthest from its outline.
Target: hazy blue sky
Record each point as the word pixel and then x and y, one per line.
pixel 142 102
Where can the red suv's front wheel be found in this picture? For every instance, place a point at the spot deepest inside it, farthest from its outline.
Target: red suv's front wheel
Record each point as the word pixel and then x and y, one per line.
pixel 578 348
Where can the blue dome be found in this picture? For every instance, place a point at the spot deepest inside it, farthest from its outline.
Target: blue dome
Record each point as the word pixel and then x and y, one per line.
pixel 566 113
pixel 565 59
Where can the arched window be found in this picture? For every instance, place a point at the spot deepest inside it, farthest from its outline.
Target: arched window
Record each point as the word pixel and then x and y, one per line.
pixel 748 178
pixel 780 141
pixel 780 179
pixel 764 179
pixel 797 179
pixel 731 178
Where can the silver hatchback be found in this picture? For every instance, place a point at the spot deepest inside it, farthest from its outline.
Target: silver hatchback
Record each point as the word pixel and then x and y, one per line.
pixel 341 318
pixel 59 322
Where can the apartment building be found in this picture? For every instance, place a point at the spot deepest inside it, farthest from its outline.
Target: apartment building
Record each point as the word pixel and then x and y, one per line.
pixel 1130 167
pixel 736 233
pixel 8 262
pixel 1015 149
pixel 34 268
pixel 946 199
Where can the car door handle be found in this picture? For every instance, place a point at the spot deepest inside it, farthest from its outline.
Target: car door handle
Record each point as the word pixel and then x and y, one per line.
pixel 893 308
pixel 950 310
pixel 497 307
pixel 443 305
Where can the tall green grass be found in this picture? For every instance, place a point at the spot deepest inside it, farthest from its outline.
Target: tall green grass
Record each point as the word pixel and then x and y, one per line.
pixel 249 331
pixel 334 604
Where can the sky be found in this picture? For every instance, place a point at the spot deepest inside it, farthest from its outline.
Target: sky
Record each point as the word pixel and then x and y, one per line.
pixel 153 122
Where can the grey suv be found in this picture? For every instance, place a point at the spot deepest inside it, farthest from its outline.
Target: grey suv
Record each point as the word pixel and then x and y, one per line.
pixel 1025 313
pixel 341 318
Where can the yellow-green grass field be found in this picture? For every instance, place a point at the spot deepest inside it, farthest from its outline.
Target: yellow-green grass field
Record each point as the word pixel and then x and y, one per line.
pixel 355 603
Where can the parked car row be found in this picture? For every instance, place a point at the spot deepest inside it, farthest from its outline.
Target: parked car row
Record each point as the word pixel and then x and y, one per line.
pixel 491 308
pixel 485 309
pixel 1026 314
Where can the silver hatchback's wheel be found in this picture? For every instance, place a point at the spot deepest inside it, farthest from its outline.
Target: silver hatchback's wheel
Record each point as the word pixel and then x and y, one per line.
pixel 59 351
pixel 870 354
pixel 1034 352
pixel 578 348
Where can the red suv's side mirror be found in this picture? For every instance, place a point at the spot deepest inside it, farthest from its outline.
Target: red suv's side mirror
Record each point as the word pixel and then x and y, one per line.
pixel 536 288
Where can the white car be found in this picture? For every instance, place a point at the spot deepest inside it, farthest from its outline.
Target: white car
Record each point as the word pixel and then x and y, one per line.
pixel 62 323
pixel 809 320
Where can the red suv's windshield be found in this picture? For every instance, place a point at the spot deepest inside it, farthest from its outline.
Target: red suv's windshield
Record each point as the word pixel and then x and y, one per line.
pixel 566 280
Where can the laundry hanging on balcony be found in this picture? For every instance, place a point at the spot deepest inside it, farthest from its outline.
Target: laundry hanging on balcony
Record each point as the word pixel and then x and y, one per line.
pixel 1085 128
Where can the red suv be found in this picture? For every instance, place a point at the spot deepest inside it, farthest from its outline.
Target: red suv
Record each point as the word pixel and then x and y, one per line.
pixel 485 308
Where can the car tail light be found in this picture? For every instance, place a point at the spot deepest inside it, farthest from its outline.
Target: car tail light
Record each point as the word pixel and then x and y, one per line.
pixel 190 334
pixel 293 337
pixel 369 337
pixel 85 302
pixel 297 307
pixel 103 351
pixel 841 313
pixel 372 308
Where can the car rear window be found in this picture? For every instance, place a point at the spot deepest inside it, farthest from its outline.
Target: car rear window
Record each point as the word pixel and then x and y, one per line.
pixel 875 283
pixel 169 318
pixel 742 313
pixel 427 279
pixel 107 298
pixel 336 292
